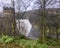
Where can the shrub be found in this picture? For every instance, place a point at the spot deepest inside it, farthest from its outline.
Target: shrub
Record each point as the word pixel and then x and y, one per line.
pixel 6 39
pixel 23 43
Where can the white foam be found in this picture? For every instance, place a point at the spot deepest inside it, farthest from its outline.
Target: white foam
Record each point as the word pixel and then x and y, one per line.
pixel 25 26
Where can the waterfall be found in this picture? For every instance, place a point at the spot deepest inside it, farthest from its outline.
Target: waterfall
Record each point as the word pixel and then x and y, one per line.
pixel 25 26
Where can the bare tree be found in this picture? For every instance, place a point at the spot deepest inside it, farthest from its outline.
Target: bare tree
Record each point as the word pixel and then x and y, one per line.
pixel 14 23
pixel 57 25
pixel 43 5
pixel 20 14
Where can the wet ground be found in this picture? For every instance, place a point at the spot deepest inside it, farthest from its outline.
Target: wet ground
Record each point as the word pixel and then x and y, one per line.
pixel 17 46
pixel 54 46
pixel 9 46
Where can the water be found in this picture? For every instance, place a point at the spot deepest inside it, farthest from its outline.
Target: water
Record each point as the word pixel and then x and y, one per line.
pixel 25 26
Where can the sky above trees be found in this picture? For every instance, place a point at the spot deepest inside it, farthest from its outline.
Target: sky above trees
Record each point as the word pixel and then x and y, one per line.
pixel 32 4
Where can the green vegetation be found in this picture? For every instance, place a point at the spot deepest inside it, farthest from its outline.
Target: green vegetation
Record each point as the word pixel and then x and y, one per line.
pixel 6 39
pixel 23 43
pixel 30 44
pixel 53 42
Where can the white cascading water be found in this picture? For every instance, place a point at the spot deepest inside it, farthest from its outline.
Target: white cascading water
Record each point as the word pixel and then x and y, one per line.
pixel 25 26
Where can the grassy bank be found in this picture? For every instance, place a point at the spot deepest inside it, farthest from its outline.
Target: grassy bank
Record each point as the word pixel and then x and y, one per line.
pixel 11 42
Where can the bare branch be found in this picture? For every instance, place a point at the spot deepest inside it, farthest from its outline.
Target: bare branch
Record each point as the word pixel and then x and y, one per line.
pixel 49 1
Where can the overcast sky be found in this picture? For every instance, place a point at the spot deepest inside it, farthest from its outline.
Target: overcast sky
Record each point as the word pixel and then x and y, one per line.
pixel 26 2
